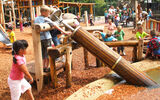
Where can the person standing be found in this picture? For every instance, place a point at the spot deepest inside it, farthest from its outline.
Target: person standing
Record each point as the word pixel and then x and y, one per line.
pixel 91 20
pixel 106 15
pixel 16 81
pixel 119 34
pixel 45 37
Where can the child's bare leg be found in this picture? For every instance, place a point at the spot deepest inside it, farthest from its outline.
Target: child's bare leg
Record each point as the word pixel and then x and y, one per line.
pixel 29 92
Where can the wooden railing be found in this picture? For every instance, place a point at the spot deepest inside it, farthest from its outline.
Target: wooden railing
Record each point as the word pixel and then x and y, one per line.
pixel 153 25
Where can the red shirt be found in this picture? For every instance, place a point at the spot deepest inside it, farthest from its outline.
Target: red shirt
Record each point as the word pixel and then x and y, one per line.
pixel 16 73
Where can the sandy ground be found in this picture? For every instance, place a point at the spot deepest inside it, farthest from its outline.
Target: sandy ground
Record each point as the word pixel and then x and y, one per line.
pixel 80 75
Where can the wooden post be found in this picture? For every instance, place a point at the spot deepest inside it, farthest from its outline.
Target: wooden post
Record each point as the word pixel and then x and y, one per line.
pixel 20 17
pixel 38 58
pixel 68 66
pixel 10 16
pixel 134 54
pixel 85 58
pixel 79 7
pixel 43 2
pixel 86 18
pixel 136 11
pixel 2 14
pixel 38 11
pixel 14 16
pixel 140 49
pixel 31 11
pixel 53 71
pixel 98 63
pixel 67 9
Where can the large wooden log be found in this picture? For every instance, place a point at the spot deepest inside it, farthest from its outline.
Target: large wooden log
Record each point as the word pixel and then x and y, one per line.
pixel 129 43
pixel 108 56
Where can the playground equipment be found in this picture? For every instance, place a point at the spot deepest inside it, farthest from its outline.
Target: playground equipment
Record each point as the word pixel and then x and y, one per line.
pixel 3 37
pixel 153 25
pixel 108 56
pixel 97 48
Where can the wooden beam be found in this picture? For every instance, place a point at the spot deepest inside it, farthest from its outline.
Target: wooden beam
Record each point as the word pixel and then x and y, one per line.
pixel 31 11
pixel 14 16
pixel 85 58
pixel 53 71
pixel 38 58
pixel 86 17
pixel 140 50
pixel 68 66
pixel 2 14
pixel 129 43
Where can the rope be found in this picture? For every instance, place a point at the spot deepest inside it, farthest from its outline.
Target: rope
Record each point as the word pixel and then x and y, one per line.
pixel 116 62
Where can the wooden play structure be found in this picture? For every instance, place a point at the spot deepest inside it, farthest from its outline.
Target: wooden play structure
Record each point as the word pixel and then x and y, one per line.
pixel 97 48
pixel 152 24
pixel 29 9
pixel 76 4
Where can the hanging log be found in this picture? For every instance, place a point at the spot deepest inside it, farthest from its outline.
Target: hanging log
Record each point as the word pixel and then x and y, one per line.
pixel 108 56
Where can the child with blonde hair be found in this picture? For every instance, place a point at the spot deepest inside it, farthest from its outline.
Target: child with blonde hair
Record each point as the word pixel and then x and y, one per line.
pixel 119 34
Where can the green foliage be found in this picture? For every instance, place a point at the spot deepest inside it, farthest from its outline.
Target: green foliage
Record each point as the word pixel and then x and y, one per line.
pixel 100 5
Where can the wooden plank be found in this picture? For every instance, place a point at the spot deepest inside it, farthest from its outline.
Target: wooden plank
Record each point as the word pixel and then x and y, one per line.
pixel 68 66
pixel 38 59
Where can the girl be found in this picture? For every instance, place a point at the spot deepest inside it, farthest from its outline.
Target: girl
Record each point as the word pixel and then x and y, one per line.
pixel 16 81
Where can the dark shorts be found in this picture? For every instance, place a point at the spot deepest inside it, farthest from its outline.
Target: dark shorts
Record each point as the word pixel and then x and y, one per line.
pixel 44 45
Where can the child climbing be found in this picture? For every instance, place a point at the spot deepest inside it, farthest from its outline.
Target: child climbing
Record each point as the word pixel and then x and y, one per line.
pixel 119 34
pixel 153 47
pixel 16 81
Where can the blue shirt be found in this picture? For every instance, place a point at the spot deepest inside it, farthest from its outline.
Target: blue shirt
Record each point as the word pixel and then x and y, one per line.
pixel 107 39
pixel 43 35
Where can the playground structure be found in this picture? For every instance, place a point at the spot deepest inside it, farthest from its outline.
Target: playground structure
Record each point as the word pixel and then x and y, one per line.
pixel 29 9
pixel 4 38
pixel 152 24
pixel 96 47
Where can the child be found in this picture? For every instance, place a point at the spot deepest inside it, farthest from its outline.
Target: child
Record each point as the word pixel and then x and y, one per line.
pixel 140 33
pixel 153 47
pixel 119 34
pixel 107 37
pixel 16 81
pixel 11 34
pixel 111 26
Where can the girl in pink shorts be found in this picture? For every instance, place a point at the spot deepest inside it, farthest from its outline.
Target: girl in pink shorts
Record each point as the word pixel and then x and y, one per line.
pixel 16 81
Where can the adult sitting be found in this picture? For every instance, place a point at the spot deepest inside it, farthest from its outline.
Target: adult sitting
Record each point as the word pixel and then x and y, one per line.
pixel 153 47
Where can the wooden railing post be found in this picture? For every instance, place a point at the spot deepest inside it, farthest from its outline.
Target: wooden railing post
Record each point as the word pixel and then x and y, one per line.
pixel 53 71
pixel 134 54
pixel 68 65
pixel 140 50
pixel 38 58
pixel 85 58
